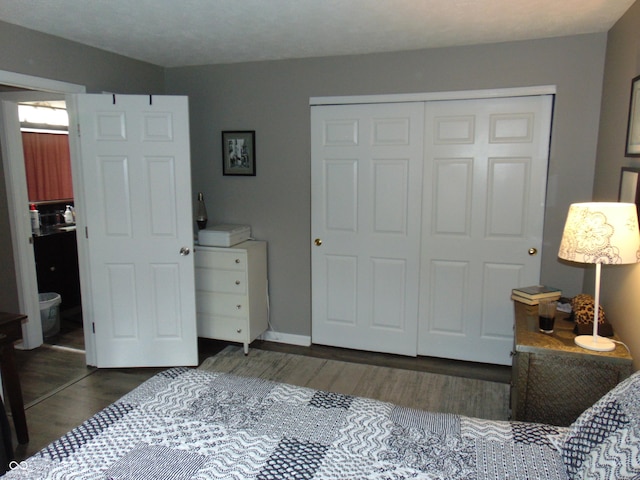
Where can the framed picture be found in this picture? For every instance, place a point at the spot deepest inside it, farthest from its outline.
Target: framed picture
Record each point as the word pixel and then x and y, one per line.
pixel 630 186
pixel 239 153
pixel 633 130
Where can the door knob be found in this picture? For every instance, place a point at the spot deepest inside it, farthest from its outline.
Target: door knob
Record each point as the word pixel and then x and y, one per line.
pixel 184 251
pixel 318 242
pixel 533 251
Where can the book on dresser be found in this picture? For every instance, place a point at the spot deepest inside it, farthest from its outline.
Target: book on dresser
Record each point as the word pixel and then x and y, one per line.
pixel 533 294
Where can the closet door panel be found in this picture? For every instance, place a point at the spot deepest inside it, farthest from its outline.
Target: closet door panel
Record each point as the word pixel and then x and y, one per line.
pixel 485 167
pixel 366 193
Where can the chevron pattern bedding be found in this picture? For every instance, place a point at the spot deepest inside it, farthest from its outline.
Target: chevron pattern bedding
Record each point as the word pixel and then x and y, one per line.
pixel 196 424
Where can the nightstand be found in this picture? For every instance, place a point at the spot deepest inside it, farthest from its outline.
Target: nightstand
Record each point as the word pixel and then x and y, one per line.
pixel 553 379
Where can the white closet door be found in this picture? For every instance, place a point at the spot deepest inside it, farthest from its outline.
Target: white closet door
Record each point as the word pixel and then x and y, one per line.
pixel 366 195
pixel 483 210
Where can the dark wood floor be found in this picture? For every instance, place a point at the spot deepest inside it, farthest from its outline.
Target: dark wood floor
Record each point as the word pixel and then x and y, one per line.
pixel 61 391
pixel 457 368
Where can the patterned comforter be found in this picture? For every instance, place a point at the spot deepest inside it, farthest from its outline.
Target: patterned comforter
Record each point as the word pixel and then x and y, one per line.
pixel 195 424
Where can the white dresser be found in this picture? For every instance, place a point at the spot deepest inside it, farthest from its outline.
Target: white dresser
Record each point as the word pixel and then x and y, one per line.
pixel 231 292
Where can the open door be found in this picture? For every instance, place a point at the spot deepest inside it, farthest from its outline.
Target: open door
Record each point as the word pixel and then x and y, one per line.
pixel 132 181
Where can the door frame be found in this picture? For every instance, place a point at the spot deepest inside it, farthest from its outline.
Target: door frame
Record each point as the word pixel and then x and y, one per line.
pixel 17 198
pixel 434 96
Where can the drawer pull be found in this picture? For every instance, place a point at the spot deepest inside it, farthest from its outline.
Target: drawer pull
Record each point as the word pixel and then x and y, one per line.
pixel 239 330
pixel 238 307
pixel 237 282
pixel 237 260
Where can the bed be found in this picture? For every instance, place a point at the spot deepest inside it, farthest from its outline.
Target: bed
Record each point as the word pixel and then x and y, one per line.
pixel 197 424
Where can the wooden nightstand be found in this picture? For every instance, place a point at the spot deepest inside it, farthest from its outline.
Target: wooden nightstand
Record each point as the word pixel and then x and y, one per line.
pixel 553 379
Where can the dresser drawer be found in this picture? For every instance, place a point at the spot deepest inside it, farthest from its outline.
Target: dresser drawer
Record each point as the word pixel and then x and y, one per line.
pixel 222 304
pixel 227 260
pixel 222 328
pixel 221 281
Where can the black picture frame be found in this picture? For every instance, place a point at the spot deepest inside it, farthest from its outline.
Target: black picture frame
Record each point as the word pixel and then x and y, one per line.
pixel 239 152
pixel 629 191
pixel 632 148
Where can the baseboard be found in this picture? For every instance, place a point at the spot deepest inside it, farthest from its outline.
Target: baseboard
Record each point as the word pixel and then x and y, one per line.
pixel 289 338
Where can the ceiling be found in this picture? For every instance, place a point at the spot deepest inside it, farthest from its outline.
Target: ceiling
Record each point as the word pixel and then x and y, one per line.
pixel 172 33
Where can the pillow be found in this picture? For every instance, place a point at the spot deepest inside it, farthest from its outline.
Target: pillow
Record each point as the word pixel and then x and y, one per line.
pixel 604 442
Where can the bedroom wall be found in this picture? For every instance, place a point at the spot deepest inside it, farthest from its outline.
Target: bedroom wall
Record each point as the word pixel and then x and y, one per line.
pixel 272 98
pixel 31 53
pixel 620 285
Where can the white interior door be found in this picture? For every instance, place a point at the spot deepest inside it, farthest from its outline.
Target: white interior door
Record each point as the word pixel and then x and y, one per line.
pixel 366 188
pixel 483 210
pixel 131 170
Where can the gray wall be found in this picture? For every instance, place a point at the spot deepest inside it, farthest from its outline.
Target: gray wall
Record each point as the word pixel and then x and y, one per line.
pixel 32 53
pixel 620 284
pixel 272 98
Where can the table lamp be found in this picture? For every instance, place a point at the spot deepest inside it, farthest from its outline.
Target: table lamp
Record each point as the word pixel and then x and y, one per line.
pixel 600 232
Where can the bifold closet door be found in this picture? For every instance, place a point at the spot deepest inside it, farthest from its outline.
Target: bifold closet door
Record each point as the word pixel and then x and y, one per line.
pixel 482 220
pixel 366 194
pixel 435 206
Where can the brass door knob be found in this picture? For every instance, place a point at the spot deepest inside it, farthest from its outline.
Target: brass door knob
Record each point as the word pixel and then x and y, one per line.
pixel 318 242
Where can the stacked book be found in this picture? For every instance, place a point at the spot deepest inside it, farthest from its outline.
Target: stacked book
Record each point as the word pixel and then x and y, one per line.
pixel 532 295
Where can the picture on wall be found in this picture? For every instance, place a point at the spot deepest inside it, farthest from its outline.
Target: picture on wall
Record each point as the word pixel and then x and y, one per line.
pixel 239 153
pixel 633 129
pixel 630 186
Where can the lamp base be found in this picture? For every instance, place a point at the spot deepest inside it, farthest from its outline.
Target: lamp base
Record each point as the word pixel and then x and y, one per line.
pixel 598 343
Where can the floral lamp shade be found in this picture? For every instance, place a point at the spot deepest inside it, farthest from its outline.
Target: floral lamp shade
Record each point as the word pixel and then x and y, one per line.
pixel 601 232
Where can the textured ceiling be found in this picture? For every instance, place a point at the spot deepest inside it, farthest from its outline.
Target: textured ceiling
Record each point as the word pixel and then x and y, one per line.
pixel 174 33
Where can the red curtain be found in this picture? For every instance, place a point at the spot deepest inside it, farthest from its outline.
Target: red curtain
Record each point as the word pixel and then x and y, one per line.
pixel 48 166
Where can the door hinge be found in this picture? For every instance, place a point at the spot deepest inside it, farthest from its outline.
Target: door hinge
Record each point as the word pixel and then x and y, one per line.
pixel 78 129
pixel 93 327
pixel 86 232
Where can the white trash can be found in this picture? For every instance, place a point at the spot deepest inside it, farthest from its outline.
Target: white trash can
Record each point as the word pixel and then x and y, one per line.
pixel 50 313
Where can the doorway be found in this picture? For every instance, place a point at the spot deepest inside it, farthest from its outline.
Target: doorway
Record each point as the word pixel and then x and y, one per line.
pixel 162 309
pixel 29 88
pixel 44 128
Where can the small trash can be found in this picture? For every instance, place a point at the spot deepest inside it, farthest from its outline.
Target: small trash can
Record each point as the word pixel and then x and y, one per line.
pixel 50 313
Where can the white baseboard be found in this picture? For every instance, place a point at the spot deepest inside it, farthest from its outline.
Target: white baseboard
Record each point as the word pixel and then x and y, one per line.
pixel 289 338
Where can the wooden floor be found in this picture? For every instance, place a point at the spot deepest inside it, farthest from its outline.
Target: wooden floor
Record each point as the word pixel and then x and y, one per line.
pixel 409 388
pixel 60 391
